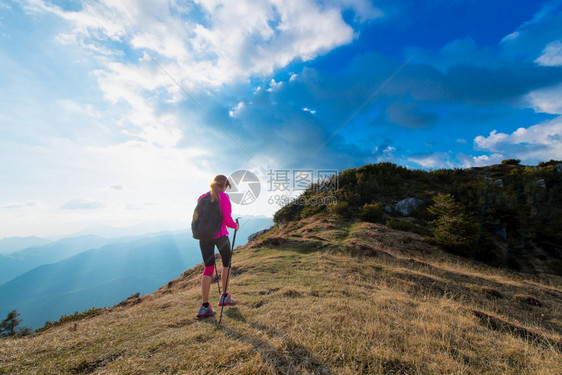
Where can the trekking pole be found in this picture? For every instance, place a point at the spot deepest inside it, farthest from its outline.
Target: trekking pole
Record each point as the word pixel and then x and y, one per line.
pixel 218 280
pixel 229 267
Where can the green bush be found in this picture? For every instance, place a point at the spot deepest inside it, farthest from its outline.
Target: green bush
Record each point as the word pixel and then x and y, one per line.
pixel 310 210
pixel 69 318
pixel 454 229
pixel 341 208
pixel 371 212
pixel 406 226
pixel 9 326
pixel 288 213
pixel 511 162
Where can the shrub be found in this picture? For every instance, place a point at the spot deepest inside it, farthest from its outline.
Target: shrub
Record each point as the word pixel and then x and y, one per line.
pixel 69 318
pixel 406 226
pixel 287 213
pixel 341 208
pixel 454 229
pixel 310 210
pixel 511 162
pixel 372 212
pixel 9 326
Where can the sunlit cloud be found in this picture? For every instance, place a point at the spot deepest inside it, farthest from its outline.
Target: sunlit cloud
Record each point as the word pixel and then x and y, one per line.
pixel 538 142
pixel 467 161
pixel 434 160
pixel 552 54
pixel 123 111
pixel 547 100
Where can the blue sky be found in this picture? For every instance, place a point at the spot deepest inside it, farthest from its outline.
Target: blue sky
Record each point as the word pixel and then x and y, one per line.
pixel 94 132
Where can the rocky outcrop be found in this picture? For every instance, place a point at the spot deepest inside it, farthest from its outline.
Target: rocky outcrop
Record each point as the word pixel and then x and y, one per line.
pixel 407 206
pixel 253 236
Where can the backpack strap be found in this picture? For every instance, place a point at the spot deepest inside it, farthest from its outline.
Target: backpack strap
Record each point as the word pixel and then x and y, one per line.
pixel 222 216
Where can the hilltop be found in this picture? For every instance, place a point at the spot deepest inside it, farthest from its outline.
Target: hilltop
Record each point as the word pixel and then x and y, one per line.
pixel 506 215
pixel 323 294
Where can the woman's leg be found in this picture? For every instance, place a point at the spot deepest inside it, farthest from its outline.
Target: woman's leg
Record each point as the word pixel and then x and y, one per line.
pixel 225 271
pixel 205 288
pixel 223 245
pixel 208 253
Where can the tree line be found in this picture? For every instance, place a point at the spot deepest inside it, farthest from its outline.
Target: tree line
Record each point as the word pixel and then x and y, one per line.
pixel 498 214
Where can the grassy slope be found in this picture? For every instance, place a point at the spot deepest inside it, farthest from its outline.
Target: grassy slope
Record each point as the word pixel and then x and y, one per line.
pixel 320 297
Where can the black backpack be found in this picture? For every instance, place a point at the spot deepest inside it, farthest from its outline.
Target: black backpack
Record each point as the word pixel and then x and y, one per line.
pixel 207 218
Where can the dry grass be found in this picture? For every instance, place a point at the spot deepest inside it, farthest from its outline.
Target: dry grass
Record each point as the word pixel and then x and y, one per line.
pixel 394 306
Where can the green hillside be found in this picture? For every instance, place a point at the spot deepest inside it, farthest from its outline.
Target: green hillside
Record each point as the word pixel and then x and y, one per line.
pixel 507 215
pixel 323 295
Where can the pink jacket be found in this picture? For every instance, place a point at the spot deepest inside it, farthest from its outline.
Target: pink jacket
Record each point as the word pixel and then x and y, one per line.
pixel 226 210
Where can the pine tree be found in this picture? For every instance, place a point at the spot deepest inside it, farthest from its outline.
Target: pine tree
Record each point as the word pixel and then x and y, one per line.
pixel 8 327
pixel 454 229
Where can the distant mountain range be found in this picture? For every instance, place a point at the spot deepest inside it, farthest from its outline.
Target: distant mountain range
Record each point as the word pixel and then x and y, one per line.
pixel 25 260
pixel 74 274
pixel 12 244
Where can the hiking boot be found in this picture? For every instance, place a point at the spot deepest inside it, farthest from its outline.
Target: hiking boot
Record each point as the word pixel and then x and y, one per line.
pixel 226 300
pixel 205 312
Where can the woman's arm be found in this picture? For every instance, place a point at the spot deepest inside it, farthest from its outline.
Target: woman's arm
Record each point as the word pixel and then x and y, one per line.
pixel 226 208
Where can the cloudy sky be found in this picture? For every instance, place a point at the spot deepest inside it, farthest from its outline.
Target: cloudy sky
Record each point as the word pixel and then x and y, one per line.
pixel 121 112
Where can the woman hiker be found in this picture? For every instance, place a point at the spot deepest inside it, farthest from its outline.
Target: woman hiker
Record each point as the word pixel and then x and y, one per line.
pixel 222 242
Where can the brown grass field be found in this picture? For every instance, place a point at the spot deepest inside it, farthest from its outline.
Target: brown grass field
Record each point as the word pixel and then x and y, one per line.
pixel 320 296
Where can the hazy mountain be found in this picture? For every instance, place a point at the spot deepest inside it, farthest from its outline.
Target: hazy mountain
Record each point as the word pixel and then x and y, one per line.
pixel 74 274
pixel 141 229
pixel 12 244
pixel 100 277
pixel 27 259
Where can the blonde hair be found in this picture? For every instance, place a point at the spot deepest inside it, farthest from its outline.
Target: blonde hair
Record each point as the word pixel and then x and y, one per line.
pixel 219 184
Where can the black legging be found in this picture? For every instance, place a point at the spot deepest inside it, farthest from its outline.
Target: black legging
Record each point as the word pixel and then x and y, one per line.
pixel 208 250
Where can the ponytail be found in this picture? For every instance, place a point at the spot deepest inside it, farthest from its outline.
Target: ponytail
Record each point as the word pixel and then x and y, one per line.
pixel 219 184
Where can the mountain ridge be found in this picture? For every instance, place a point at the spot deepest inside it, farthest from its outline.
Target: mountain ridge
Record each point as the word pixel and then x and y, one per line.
pixel 10 245
pixel 323 295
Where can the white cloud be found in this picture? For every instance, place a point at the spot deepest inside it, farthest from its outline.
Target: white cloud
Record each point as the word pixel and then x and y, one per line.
pixel 82 204
pixel 512 36
pixel 551 55
pixel 273 85
pixel 311 111
pixel 218 49
pixel 491 141
pixel 234 112
pixel 364 10
pixel 537 143
pixel 33 205
pixel 444 160
pixel 479 161
pixel 76 108
pixel 547 100
pixel 526 42
pixel 435 160
pixel 204 46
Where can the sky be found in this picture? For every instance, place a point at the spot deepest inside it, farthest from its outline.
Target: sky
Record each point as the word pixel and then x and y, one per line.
pixel 120 113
